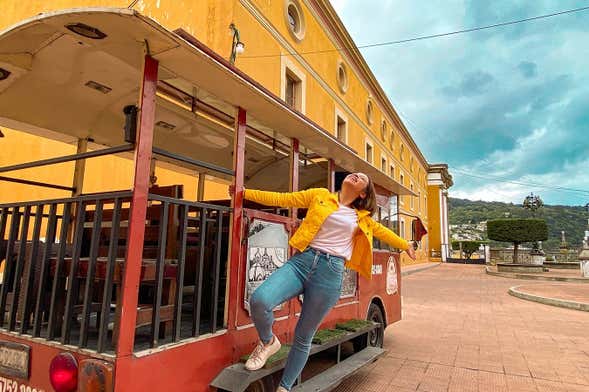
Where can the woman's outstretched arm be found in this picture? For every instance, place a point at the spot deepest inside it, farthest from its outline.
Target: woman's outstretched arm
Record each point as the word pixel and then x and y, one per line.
pixel 387 235
pixel 301 199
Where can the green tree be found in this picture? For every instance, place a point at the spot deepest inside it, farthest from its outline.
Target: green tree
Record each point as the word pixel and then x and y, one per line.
pixel 517 231
pixel 468 247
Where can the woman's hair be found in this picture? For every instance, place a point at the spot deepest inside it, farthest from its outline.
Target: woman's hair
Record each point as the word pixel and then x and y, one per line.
pixel 369 202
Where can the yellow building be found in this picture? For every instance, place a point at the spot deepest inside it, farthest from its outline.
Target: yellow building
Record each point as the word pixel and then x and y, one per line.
pixel 292 47
pixel 438 183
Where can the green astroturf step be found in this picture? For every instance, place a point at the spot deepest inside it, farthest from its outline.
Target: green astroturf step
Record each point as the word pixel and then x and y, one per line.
pixel 353 325
pixel 321 337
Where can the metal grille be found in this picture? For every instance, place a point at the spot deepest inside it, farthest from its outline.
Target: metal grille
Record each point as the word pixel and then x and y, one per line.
pixel 64 265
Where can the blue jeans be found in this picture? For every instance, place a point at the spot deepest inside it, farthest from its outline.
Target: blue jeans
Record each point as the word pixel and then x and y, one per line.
pixel 319 277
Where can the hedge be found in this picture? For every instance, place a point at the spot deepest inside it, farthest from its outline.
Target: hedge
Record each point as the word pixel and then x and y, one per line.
pixel 517 230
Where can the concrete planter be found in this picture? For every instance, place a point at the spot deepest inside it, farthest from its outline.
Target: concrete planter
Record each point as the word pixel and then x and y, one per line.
pixel 584 268
pixel 525 268
pixel 537 258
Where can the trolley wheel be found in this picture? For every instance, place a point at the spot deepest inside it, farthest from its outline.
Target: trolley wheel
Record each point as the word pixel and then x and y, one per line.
pixel 375 337
pixel 265 384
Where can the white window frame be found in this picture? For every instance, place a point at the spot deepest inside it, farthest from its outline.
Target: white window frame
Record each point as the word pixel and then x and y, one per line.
pixel 383 159
pixel 402 182
pixel 340 113
pixel 367 143
pixel 411 198
pixel 287 65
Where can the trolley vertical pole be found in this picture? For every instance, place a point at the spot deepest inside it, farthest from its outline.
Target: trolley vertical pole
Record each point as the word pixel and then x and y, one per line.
pixel 294 172
pixel 143 152
pixel 331 175
pixel 237 218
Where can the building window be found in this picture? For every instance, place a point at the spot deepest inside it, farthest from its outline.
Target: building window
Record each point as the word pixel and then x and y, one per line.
pixel 292 91
pixel 411 198
pixel 392 140
pixel 402 228
pixel 392 172
pixel 402 179
pixel 419 201
pixel 369 112
pixel 295 19
pixel 369 153
pixel 401 152
pixel 342 77
pixel 411 165
pixel 383 164
pixel 292 84
pixel 341 129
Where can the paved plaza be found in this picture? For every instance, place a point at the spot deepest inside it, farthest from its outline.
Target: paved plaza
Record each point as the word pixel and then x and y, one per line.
pixel 462 331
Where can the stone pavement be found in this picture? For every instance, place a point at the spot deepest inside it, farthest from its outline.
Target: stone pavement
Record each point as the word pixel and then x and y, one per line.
pixel 577 292
pixel 462 332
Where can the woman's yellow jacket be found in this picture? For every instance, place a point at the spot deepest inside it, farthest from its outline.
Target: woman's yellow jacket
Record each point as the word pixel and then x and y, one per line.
pixel 321 203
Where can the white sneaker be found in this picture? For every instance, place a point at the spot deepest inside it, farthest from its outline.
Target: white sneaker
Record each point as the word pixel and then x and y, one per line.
pixel 261 353
pixel 281 389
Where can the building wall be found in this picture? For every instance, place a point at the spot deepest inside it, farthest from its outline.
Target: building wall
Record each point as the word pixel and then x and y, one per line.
pixel 264 30
pixel 434 222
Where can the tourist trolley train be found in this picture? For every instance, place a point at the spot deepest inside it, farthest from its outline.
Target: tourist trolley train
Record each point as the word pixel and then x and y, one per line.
pixel 142 289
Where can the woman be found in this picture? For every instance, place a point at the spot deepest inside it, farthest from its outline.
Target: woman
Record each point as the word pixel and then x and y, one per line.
pixel 337 230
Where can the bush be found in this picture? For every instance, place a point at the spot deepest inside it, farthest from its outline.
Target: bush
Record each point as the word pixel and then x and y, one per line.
pixel 517 231
pixel 468 247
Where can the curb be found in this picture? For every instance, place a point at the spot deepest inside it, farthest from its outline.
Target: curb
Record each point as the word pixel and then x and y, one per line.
pixel 561 303
pixel 533 277
pixel 414 270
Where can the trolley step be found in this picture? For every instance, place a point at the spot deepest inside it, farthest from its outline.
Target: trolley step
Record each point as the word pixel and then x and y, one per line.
pixel 332 377
pixel 236 378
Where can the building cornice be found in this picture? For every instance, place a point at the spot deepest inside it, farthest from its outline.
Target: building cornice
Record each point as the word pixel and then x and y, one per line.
pixel 444 175
pixel 342 39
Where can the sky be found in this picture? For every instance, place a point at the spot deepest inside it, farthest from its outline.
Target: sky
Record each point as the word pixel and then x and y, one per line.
pixel 506 108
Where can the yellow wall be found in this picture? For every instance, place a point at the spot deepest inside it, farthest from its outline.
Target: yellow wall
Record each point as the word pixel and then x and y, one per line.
pixel 262 25
pixel 433 227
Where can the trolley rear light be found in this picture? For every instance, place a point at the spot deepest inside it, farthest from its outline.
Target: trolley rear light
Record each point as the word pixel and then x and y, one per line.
pixel 96 376
pixel 63 373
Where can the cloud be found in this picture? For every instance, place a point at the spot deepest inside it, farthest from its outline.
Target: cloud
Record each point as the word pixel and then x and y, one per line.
pixel 473 83
pixel 509 102
pixel 528 69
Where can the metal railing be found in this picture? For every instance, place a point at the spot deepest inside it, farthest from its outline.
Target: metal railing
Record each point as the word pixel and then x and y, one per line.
pixel 64 262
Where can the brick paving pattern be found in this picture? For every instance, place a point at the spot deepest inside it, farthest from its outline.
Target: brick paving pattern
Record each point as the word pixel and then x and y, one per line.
pixel 577 292
pixel 462 332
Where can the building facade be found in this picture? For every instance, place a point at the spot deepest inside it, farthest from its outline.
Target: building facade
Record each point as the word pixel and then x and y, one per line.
pixel 439 181
pixel 293 48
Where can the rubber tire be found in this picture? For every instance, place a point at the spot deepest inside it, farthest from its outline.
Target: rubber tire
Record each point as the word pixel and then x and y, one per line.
pixel 376 336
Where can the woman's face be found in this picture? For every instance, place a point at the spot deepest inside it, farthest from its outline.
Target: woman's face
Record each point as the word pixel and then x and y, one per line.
pixel 356 183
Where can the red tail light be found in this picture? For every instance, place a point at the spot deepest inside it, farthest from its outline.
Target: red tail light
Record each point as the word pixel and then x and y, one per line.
pixel 63 373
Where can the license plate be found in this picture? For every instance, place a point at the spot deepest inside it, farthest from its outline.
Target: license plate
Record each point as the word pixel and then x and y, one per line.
pixel 14 359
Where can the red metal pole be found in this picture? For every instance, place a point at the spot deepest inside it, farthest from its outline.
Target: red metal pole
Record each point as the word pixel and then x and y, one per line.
pixel 294 171
pixel 331 175
pixel 143 152
pixel 237 220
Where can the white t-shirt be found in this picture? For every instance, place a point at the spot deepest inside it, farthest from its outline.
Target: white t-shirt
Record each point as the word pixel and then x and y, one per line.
pixel 337 232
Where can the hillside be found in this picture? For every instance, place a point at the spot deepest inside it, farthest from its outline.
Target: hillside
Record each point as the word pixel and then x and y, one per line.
pixel 573 220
